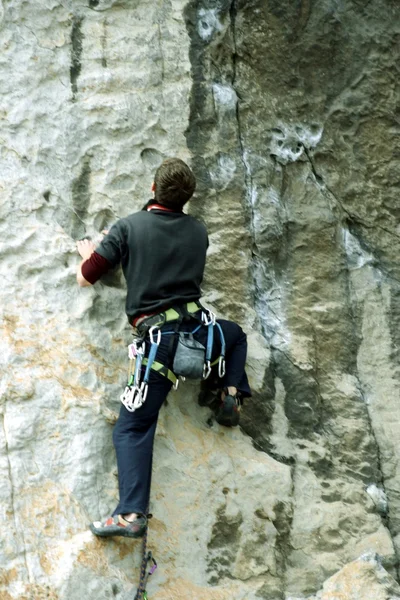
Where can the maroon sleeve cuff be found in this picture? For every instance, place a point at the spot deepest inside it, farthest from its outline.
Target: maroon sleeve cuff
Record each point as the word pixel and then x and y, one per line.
pixel 94 267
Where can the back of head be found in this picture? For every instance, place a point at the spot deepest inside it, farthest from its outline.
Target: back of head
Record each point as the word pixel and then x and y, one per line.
pixel 174 183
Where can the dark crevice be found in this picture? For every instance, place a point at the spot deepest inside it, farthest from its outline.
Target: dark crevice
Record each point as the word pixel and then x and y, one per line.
pixel 269 449
pixel 283 525
pixel 160 38
pixel 81 190
pixel 302 397
pixel 160 45
pixel 248 181
pixel 320 425
pixel 104 45
pixel 284 514
pixel 223 545
pixel 256 263
pixel 317 176
pixel 76 53
pixel 80 201
pixel 198 129
pixel 256 419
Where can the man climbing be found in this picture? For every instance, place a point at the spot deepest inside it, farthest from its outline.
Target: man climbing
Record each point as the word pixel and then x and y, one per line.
pixel 162 252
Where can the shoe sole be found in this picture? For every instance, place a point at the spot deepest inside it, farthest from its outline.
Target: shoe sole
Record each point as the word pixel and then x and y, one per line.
pixel 228 415
pixel 112 531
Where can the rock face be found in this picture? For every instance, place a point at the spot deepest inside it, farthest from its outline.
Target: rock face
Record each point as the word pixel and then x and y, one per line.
pixel 289 114
pixel 363 578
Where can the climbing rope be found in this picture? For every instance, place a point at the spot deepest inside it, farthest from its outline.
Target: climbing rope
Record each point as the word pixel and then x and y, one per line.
pixel 147 558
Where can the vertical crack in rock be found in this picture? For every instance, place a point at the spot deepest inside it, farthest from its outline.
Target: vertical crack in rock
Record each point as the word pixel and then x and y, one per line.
pixel 386 518
pixel 283 525
pixel 377 449
pixel 284 513
pixel 205 55
pixel 263 284
pixel 395 318
pixel 354 221
pixel 160 45
pixel 104 45
pixel 248 179
pixel 81 199
pixel 12 499
pixel 256 265
pixel 76 53
pixel 315 375
pixel 197 131
pixel 332 196
pixel 349 218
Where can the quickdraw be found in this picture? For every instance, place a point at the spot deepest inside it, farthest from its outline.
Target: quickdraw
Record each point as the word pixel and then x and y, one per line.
pixel 147 558
pixel 135 393
pixel 131 397
pixel 141 593
pixel 221 360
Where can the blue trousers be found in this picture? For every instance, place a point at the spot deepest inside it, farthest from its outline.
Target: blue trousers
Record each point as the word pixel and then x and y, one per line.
pixel 133 434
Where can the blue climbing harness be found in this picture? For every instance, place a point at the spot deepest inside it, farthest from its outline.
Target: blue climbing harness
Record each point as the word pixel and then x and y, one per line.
pixel 136 390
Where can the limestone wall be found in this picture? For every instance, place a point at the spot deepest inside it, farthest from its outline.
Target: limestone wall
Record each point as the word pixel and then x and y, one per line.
pixel 288 112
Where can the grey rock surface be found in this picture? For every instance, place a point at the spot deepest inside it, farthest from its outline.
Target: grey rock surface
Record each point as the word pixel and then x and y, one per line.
pixel 289 115
pixel 363 578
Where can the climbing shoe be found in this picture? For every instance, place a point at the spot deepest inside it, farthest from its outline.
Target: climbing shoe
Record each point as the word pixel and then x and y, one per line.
pixel 119 526
pixel 228 411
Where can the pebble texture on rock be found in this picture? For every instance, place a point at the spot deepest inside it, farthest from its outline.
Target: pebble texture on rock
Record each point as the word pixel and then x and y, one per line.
pixel 288 113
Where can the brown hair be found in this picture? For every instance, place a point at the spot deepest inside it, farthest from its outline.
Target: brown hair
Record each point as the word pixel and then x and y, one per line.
pixel 174 183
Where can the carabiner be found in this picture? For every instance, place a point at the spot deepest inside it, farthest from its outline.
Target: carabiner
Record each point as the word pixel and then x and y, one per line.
pixel 138 400
pixel 206 369
pixel 135 349
pixel 132 351
pixel 138 368
pixel 175 386
pixel 221 367
pixel 144 388
pixel 128 398
pixel 208 318
pixel 124 394
pixel 151 331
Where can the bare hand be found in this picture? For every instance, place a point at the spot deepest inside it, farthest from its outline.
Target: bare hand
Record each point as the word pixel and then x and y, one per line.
pixel 85 248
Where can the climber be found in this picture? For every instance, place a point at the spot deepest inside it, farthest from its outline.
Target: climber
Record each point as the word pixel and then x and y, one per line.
pixel 162 251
